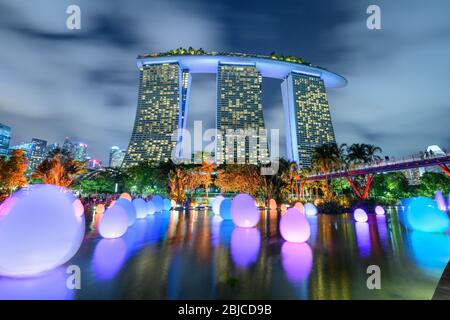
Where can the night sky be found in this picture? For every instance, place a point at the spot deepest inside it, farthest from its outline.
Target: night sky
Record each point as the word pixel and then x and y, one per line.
pixel 56 82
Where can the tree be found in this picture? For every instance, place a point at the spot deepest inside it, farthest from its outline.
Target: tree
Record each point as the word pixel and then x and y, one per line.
pixel 147 177
pixel 205 175
pixel 390 187
pixel 12 173
pixel 325 158
pixel 430 182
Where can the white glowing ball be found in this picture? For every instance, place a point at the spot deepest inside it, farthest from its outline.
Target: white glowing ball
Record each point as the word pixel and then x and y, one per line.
pixel 360 215
pixel 129 209
pixel 216 204
pixel 158 203
pixel 125 195
pixel 141 208
pixel 173 204
pixel 225 209
pixel 379 210
pixel 310 209
pixel 300 207
pixel 272 204
pixel 100 208
pixel 244 212
pixel 114 223
pixel 151 209
pixel 41 228
pixel 166 204
pixel 294 227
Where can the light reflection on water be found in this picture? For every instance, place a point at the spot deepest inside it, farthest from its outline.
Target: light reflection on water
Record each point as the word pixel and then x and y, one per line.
pixel 197 255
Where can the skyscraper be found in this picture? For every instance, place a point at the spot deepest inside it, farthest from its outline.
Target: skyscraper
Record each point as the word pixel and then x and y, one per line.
pixel 307 116
pixel 5 138
pixel 161 111
pixel 80 151
pixel 116 156
pixel 38 153
pixel 239 111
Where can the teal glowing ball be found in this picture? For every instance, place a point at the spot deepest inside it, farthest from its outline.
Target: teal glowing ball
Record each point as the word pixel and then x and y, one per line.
pixel 225 209
pixel 424 215
pixel 166 204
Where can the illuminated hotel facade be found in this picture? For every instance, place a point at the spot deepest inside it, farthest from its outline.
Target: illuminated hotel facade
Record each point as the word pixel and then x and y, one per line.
pixel 162 108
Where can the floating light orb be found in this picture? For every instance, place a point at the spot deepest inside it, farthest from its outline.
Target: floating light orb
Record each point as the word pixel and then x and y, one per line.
pixel 310 209
pixel 283 208
pixel 225 209
pixel 244 246
pixel 360 215
pixel 125 195
pixel 41 228
pixel 112 204
pixel 114 222
pixel 300 207
pixel 424 215
pixel 379 210
pixel 244 212
pixel 297 261
pixel 440 201
pixel 166 204
pixel 141 208
pixel 272 204
pixel 151 209
pixel 294 227
pixel 99 209
pixel 129 209
pixel 158 203
pixel 216 204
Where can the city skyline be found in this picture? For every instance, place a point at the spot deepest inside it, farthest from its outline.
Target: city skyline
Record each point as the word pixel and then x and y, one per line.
pixel 388 101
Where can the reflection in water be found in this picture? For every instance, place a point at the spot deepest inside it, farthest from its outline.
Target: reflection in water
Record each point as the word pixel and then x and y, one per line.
pixel 363 238
pixel 313 222
pixel 109 256
pixel 297 259
pixel 49 286
pixel 226 228
pixel 245 244
pixel 431 251
pixel 383 232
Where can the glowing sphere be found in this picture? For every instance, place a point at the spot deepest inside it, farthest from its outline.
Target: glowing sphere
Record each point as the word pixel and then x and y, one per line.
pixel 294 227
pixel 114 222
pixel 141 208
pixel 112 204
pixel 125 195
pixel 151 209
pixel 100 208
pixel 129 209
pixel 158 202
pixel 440 201
pixel 166 204
pixel 283 208
pixel 300 207
pixel 424 215
pixel 297 261
pixel 360 215
pixel 244 212
pixel 216 204
pixel 173 204
pixel 244 246
pixel 379 210
pixel 272 204
pixel 310 209
pixel 225 209
pixel 41 228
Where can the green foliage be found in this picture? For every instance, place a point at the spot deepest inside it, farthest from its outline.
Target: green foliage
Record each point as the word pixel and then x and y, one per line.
pixel 430 182
pixel 388 188
pixel 331 207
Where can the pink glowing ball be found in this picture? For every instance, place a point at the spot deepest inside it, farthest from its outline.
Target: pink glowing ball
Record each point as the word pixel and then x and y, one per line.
pixel 126 195
pixel 272 204
pixel 294 227
pixel 244 212
pixel 300 207
pixel 379 210
pixel 114 223
pixel 360 215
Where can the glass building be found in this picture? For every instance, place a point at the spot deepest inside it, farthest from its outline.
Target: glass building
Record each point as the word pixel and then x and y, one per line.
pixel 38 152
pixel 307 116
pixel 161 111
pixel 240 121
pixel 116 156
pixel 5 138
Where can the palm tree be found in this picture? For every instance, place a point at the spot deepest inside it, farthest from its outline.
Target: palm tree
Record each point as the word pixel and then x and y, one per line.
pixel 362 153
pixel 371 151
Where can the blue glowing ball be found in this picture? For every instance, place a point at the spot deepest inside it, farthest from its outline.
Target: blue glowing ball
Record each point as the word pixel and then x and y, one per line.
pixel 244 212
pixel 141 208
pixel 166 204
pixel 225 209
pixel 360 215
pixel 216 204
pixel 41 228
pixel 310 209
pixel 424 215
pixel 158 203
pixel 294 227
pixel 114 222
pixel 129 209
pixel 151 209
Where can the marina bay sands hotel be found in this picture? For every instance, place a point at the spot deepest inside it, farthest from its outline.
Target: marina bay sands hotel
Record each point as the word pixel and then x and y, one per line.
pixel 163 100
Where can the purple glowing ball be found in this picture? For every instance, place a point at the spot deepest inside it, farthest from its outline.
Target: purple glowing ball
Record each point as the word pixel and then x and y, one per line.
pixel 41 227
pixel 244 212
pixel 379 210
pixel 360 215
pixel 244 246
pixel 440 201
pixel 141 208
pixel 297 261
pixel 114 223
pixel 294 227
pixel 129 209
